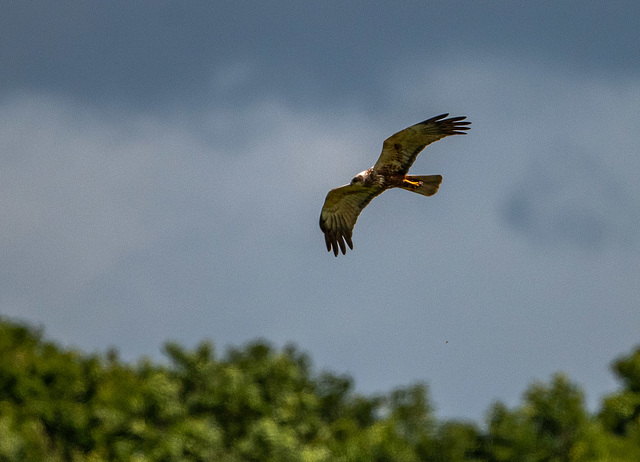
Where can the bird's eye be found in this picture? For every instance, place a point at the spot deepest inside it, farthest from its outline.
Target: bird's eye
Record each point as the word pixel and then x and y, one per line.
pixel 355 180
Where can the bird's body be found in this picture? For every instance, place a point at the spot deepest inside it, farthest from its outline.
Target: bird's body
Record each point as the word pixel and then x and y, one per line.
pixel 344 204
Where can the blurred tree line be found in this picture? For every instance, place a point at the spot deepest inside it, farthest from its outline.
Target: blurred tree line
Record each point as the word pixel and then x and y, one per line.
pixel 257 403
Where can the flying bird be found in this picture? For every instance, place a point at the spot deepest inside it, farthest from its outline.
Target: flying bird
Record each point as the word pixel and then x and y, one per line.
pixel 343 205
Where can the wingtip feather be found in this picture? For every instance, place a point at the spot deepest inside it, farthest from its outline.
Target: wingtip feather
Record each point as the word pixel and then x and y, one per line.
pixel 349 242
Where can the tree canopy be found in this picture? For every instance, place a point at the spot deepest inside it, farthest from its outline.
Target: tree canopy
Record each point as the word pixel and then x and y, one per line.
pixel 259 403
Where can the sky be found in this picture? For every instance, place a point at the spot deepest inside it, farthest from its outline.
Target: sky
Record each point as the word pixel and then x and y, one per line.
pixel 163 165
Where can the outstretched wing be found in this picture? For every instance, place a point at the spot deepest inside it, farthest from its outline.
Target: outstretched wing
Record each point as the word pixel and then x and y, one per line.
pixel 400 150
pixel 340 212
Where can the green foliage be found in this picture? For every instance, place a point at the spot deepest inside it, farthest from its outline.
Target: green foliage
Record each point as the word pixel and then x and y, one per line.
pixel 553 425
pixel 621 410
pixel 257 403
pixel 550 426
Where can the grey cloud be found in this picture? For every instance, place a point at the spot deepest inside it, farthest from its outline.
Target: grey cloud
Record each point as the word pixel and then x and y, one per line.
pixel 149 55
pixel 569 197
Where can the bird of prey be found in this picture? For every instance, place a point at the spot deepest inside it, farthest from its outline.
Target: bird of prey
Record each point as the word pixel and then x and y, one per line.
pixel 343 205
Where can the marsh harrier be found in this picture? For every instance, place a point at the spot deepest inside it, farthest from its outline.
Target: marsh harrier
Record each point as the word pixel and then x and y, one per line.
pixel 343 205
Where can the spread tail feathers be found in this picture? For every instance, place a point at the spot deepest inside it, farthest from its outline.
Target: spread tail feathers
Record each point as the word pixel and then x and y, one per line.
pixel 428 184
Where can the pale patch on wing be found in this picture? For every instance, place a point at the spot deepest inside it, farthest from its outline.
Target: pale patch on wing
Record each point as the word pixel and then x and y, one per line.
pixel 339 214
pixel 400 150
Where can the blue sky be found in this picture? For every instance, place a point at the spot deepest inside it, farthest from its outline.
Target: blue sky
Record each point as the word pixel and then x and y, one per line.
pixel 164 165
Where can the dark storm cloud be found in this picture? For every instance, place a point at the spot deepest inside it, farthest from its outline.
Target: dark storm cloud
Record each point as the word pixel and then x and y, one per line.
pixel 148 54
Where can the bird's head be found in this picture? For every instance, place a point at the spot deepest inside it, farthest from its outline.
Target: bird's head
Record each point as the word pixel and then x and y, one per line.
pixel 359 178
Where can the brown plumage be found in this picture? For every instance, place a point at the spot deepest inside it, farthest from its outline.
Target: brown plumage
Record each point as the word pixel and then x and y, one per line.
pixel 343 205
